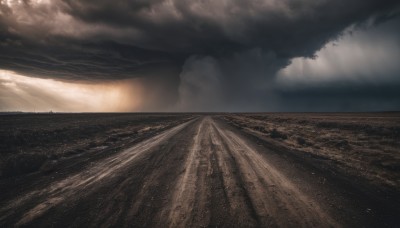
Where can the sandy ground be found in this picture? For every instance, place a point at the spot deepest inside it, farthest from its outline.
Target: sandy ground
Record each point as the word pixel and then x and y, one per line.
pixel 200 173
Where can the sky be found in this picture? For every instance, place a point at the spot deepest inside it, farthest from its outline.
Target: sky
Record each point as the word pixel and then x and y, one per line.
pixel 200 55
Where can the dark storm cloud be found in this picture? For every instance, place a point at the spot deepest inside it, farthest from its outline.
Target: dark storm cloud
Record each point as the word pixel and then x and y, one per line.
pixel 40 40
pixel 240 82
pixel 239 42
pixel 358 72
pixel 288 28
pixel 88 61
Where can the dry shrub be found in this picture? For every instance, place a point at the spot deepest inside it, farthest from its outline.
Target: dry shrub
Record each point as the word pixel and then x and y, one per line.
pixel 275 134
pixel 21 164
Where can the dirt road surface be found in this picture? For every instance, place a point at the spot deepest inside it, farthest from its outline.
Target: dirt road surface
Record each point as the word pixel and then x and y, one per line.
pixel 202 173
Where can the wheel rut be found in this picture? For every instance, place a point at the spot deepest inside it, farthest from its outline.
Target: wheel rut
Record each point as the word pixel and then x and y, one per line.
pixel 199 173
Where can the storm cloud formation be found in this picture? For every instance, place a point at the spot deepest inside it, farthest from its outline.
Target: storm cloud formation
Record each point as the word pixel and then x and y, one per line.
pixel 210 55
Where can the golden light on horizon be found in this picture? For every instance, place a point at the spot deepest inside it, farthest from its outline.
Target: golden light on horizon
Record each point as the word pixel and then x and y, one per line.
pixel 21 93
pixel 20 2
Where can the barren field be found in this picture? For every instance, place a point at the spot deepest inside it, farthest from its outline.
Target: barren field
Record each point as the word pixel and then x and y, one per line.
pixel 367 145
pixel 187 170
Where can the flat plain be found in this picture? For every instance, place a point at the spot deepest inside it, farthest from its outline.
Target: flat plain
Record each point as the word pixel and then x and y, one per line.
pixel 208 170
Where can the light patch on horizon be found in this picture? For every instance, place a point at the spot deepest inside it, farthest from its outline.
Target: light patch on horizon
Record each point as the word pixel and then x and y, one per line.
pixel 21 2
pixel 21 93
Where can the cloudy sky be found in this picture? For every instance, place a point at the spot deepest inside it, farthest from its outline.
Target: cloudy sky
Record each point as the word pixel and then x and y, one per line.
pixel 200 55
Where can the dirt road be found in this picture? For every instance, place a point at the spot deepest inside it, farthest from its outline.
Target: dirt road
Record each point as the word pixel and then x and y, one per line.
pixel 200 173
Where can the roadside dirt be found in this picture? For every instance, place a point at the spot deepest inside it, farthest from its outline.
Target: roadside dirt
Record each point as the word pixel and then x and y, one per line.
pixel 202 172
pixel 33 142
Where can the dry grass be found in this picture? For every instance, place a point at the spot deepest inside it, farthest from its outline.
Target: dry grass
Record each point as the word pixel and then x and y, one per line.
pixel 365 143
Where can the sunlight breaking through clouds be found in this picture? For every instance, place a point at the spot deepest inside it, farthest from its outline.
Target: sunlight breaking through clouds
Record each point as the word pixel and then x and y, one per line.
pixel 21 93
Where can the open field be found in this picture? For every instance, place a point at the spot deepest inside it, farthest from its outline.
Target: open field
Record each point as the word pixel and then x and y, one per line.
pixel 191 170
pixel 29 141
pixel 364 144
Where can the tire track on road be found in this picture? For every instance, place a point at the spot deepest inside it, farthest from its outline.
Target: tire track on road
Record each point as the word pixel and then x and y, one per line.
pixel 203 176
pixel 184 195
pixel 82 183
pixel 276 200
pixel 228 183
pixel 200 197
